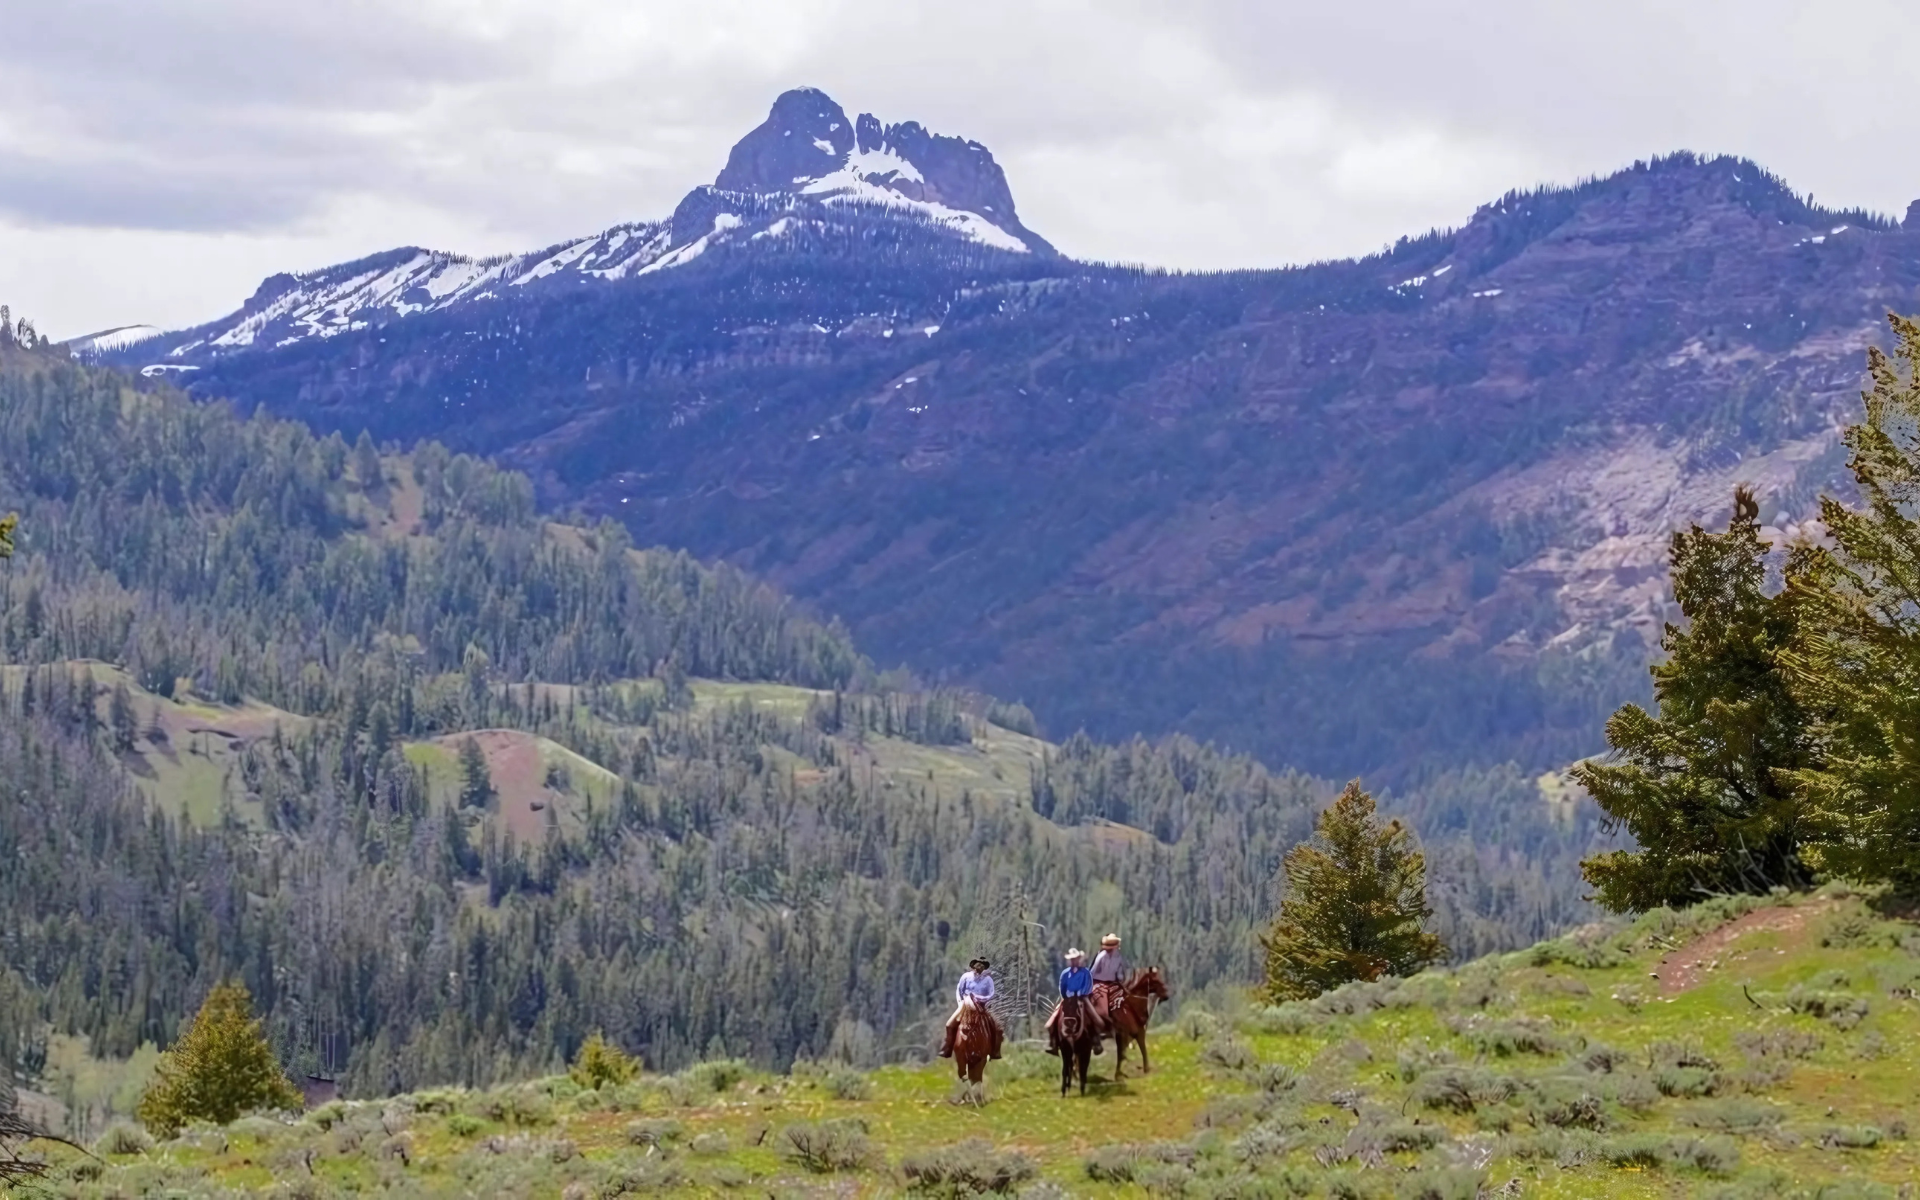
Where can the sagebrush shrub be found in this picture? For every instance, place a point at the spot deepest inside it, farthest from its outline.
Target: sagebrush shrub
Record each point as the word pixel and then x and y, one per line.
pixel 970 1168
pixel 122 1138
pixel 849 1085
pixel 827 1146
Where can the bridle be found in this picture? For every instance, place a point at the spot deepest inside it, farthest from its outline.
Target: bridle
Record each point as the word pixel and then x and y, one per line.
pixel 1150 997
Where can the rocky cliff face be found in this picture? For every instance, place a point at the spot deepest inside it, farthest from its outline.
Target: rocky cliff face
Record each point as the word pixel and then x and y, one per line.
pixel 1394 511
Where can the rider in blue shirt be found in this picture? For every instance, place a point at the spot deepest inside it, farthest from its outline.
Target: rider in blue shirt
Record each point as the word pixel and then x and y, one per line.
pixel 1076 984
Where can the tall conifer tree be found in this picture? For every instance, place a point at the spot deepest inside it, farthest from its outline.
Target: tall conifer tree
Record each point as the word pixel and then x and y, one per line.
pixel 221 1069
pixel 1859 667
pixel 1357 898
pixel 1705 787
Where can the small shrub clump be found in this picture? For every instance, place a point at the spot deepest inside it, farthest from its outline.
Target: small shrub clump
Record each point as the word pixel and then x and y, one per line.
pixel 1230 1053
pixel 1462 1089
pixel 654 1131
pixel 1127 1163
pixel 827 1146
pixel 1777 1043
pixel 121 1138
pixel 1735 1114
pixel 971 1168
pixel 1655 1151
pixel 721 1075
pixel 1506 1038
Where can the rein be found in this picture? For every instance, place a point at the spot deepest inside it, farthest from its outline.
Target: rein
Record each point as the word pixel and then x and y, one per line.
pixel 1149 1000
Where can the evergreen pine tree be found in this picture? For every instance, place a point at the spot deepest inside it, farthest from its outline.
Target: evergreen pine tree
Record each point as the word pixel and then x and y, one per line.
pixel 1356 899
pixel 221 1069
pixel 1706 786
pixel 476 782
pixel 1858 669
pixel 122 720
pixel 600 1063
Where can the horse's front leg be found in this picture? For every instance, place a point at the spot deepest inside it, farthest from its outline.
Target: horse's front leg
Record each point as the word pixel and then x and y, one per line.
pixel 1146 1068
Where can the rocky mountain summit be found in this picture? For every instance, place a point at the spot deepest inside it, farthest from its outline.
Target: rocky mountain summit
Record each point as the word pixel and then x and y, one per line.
pixel 1392 511
pixel 807 144
pixel 808 175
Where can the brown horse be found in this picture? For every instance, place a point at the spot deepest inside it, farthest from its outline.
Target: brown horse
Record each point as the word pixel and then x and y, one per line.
pixel 971 1044
pixel 1130 1017
pixel 1077 1034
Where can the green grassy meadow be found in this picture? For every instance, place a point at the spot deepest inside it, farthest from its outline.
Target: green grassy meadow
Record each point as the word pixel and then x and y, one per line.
pixel 1746 1048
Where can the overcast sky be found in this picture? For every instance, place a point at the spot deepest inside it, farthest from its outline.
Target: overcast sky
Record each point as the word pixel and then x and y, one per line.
pixel 159 157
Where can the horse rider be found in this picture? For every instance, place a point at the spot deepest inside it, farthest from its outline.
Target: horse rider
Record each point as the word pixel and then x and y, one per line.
pixel 1109 974
pixel 1076 985
pixel 977 985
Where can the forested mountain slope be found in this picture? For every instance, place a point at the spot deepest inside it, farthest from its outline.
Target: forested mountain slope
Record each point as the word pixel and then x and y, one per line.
pixel 450 786
pixel 1429 489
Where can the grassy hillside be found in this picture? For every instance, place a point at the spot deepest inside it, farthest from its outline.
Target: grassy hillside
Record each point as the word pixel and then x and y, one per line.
pixel 1748 1048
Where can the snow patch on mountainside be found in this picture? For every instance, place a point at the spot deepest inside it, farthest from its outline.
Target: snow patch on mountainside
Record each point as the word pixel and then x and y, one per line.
pixel 326 303
pixel 108 340
pixel 850 186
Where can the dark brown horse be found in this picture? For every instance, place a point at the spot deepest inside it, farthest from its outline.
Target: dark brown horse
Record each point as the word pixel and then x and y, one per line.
pixel 1077 1033
pixel 972 1042
pixel 1130 1017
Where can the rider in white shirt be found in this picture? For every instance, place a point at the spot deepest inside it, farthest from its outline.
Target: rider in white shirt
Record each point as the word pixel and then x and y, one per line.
pixel 977 984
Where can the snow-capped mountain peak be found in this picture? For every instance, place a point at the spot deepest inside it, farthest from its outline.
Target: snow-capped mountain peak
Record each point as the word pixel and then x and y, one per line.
pixel 808 146
pixel 805 177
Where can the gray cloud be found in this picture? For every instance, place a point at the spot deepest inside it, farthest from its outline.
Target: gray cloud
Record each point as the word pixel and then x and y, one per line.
pixel 274 135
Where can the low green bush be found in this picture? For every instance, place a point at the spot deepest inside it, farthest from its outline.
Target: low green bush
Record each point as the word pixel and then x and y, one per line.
pixel 721 1075
pixel 1658 1151
pixel 1230 1053
pixel 827 1146
pixel 654 1131
pixel 1445 1183
pixel 971 1168
pixel 1292 1019
pixel 1777 1043
pixel 463 1125
pixel 1505 1038
pixel 1462 1089
pixel 1125 1163
pixel 848 1085
pixel 1735 1114
pixel 122 1138
pixel 1842 1010
pixel 1850 1137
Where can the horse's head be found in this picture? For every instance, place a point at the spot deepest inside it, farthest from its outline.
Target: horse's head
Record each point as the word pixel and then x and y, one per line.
pixel 1150 983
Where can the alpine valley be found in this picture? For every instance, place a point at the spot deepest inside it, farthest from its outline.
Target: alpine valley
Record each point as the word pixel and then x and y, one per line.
pixel 519 681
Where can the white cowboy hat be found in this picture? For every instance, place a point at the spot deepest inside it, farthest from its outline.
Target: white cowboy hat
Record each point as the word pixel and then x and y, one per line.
pixel 1074 953
pixel 1112 939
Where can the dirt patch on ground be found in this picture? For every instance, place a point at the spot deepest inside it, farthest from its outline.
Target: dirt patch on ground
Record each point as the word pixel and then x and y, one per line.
pixel 1690 965
pixel 519 773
